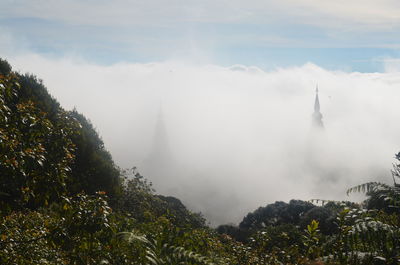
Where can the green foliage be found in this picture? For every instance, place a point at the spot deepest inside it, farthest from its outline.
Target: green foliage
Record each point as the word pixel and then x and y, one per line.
pixel 139 201
pixel 382 196
pixel 325 217
pixel 72 232
pixel 93 168
pixel 47 152
pixel 35 153
pixel 364 236
pixel 33 89
pixel 351 234
pixel 312 240
pixel 283 243
pixel 157 253
pixel 84 229
pixel 239 234
pixel 276 213
pixel 5 67
pixel 24 238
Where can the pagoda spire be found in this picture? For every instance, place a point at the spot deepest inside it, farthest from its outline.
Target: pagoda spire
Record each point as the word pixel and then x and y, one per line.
pixel 161 151
pixel 317 116
pixel 316 104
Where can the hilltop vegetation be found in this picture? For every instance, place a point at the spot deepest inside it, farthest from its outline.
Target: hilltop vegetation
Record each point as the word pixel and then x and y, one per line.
pixel 64 201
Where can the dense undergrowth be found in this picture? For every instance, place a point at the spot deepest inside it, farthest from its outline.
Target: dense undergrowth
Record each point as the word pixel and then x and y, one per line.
pixel 64 201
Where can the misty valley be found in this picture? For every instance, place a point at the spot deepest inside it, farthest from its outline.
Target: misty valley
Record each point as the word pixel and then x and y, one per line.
pixel 202 177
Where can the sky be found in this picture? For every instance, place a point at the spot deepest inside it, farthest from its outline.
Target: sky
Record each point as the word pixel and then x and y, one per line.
pixel 356 35
pixel 234 84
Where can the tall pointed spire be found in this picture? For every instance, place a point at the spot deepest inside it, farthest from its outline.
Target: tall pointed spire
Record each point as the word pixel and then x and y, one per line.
pixel 317 116
pixel 316 104
pixel 161 151
pixel 160 163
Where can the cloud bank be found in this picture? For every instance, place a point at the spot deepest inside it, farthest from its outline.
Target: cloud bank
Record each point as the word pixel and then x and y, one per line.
pixel 334 14
pixel 239 137
pixel 333 34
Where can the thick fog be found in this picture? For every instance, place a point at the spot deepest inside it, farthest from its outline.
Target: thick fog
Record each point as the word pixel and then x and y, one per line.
pixel 226 140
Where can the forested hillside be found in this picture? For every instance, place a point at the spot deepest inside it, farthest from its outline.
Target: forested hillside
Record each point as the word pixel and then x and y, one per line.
pixel 63 200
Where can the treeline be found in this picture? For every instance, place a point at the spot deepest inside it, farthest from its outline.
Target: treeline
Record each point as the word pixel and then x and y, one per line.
pixel 64 201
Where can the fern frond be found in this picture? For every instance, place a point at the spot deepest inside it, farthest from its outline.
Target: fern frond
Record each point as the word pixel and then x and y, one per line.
pixel 165 254
pixel 183 255
pixel 132 236
pixel 367 187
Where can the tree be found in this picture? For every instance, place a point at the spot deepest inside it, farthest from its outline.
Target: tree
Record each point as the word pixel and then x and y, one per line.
pixel 93 168
pixel 382 196
pixel 276 214
pixel 35 152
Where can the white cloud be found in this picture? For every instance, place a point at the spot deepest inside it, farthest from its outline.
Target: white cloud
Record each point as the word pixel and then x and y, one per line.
pixel 240 136
pixel 349 15
pixel 391 65
pixel 342 14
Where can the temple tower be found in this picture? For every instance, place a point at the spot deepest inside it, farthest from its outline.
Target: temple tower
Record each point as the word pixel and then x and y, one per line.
pixel 160 156
pixel 317 116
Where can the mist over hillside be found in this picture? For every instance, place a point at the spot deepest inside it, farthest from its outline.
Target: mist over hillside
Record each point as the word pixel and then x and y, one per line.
pixel 235 137
pixel 200 132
